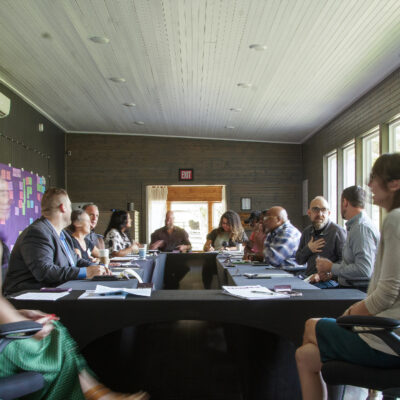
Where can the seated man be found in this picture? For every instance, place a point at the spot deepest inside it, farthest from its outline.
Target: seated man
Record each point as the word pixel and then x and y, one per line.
pixel 170 237
pixel 323 238
pixel 43 255
pixel 282 241
pixel 359 250
pixel 93 211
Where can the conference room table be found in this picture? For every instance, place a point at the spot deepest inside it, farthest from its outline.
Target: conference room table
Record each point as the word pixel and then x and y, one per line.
pixel 91 319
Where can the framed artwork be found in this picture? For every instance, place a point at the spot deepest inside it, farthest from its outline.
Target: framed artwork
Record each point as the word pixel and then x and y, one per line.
pixel 245 203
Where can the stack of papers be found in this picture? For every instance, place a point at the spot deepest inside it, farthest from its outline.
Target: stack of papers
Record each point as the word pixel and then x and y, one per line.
pixel 255 292
pixel 41 296
pixel 105 292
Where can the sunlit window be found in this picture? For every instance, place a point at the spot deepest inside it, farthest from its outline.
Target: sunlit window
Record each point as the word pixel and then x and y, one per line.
pixel 349 165
pixel 331 183
pixel 394 136
pixel 370 145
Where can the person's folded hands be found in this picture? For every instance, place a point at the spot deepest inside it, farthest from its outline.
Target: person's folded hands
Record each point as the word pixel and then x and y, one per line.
pixel 323 264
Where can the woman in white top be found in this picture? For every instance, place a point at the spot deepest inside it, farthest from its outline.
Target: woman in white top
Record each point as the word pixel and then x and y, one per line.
pixel 323 338
pixel 116 238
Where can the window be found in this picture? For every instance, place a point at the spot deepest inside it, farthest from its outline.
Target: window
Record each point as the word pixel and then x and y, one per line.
pixel 394 136
pixel 331 183
pixel 349 165
pixel 370 147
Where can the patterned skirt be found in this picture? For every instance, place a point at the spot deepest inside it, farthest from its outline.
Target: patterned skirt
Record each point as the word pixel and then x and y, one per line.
pixel 56 357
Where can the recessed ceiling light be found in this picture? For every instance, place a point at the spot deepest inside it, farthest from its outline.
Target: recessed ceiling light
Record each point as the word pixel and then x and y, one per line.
pixel 258 47
pixel 129 104
pixel 229 127
pixel 100 39
pixel 245 85
pixel 139 122
pixel 235 109
pixel 117 79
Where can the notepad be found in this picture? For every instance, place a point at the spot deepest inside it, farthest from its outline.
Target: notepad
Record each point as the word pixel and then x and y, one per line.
pixel 41 296
pixel 105 292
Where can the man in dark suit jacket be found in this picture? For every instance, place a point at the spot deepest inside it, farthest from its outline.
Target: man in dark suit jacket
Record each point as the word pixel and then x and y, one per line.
pixel 43 255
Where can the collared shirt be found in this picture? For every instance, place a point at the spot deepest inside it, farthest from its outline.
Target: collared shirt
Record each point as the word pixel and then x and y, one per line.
pixel 281 244
pixel 68 250
pixel 359 250
pixel 177 237
pixel 334 236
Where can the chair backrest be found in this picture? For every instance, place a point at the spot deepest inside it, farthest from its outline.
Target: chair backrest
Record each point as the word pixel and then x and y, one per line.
pixel 22 384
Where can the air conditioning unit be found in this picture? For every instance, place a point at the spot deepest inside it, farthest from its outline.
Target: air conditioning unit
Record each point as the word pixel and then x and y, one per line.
pixel 5 105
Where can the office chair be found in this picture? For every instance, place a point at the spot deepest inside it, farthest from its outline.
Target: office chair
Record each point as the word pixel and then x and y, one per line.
pixel 23 383
pixel 359 283
pixel 344 373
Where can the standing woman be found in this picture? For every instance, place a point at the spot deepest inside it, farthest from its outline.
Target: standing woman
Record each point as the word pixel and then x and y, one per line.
pixel 323 339
pixel 115 236
pixel 229 233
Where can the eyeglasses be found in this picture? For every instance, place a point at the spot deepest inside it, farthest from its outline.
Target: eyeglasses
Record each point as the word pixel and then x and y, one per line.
pixel 317 210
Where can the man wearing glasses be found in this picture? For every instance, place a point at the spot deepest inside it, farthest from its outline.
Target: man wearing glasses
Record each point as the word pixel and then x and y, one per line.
pixel 323 238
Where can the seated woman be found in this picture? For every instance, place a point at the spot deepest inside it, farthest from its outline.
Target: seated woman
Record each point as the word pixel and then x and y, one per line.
pixel 115 236
pixel 79 231
pixel 52 352
pixel 323 339
pixel 229 233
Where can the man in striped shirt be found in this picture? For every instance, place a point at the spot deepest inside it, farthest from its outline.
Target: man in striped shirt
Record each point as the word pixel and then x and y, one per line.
pixel 282 241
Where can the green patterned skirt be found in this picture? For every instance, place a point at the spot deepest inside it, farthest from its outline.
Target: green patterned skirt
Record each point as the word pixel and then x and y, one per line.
pixel 56 357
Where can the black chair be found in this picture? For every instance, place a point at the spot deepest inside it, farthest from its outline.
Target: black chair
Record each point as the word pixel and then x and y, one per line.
pixel 386 380
pixel 23 383
pixel 359 283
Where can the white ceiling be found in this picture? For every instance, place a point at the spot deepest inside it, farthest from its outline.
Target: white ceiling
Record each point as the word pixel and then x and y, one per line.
pixel 182 60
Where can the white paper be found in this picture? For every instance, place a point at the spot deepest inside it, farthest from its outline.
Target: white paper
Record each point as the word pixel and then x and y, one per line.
pixel 126 258
pixel 255 292
pixel 100 289
pixel 41 296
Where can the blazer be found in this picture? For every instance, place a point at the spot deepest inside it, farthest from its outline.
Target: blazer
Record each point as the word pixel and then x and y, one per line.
pixel 39 259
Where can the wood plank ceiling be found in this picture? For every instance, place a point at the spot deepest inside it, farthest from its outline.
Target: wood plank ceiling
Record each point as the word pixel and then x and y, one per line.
pixel 182 61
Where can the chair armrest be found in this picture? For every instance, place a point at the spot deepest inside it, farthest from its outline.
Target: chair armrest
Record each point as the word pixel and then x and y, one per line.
pixel 349 321
pixel 19 330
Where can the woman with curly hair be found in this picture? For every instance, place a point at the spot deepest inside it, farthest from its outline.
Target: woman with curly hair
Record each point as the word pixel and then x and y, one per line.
pixel 229 233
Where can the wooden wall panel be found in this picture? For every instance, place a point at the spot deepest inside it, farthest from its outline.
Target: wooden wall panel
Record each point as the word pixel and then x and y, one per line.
pixel 23 146
pixel 113 170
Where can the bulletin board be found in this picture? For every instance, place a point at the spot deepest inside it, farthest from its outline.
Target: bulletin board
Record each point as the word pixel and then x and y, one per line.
pixel 26 190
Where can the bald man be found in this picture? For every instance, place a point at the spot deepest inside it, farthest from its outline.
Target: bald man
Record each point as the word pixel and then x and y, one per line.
pixel 170 237
pixel 323 238
pixel 282 241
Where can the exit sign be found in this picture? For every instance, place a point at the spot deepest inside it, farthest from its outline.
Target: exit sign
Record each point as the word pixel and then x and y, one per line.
pixel 185 174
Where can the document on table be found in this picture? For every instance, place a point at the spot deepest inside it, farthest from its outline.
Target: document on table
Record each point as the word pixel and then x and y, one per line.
pixel 105 292
pixel 255 292
pixel 126 258
pixel 41 296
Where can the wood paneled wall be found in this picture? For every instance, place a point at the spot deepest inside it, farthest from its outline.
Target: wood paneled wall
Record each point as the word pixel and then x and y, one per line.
pixel 23 146
pixel 113 170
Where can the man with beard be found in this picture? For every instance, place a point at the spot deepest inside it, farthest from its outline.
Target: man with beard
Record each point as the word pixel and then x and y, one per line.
pixel 170 237
pixel 323 238
pixel 360 247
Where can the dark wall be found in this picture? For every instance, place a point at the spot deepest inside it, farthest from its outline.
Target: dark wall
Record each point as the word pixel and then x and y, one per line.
pixel 376 107
pixel 23 146
pixel 112 170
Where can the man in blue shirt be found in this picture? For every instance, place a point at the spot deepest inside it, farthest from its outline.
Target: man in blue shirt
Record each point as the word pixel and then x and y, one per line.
pixel 43 255
pixel 360 247
pixel 282 240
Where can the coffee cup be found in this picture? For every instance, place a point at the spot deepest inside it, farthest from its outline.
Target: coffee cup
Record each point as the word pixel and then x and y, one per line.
pixel 104 257
pixel 143 251
pixel 239 247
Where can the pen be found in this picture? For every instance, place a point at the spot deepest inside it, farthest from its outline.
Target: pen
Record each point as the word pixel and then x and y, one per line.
pixel 260 291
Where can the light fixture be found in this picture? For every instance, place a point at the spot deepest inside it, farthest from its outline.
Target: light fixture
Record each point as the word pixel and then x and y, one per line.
pixel 117 79
pixel 100 39
pixel 229 127
pixel 129 104
pixel 258 47
pixel 233 109
pixel 40 127
pixel 245 85
pixel 139 122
